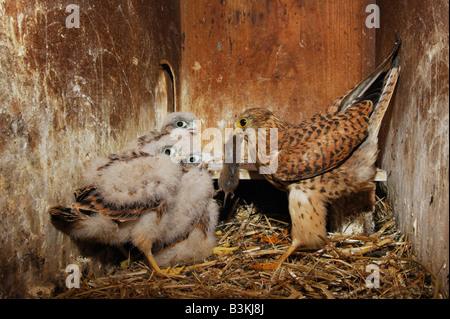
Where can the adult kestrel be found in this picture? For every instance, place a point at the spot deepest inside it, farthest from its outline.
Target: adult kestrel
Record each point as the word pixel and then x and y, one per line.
pixel 328 156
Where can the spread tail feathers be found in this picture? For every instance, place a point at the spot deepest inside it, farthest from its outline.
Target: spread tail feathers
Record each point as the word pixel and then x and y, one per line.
pixel 371 88
pixel 385 97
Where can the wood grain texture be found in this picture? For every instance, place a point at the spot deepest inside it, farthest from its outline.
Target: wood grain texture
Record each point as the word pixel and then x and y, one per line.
pixel 414 138
pixel 293 57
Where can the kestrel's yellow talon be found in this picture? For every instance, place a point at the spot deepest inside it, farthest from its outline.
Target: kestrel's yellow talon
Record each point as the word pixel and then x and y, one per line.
pixel 126 253
pixel 174 271
pixel 158 270
pixel 125 263
pixel 224 250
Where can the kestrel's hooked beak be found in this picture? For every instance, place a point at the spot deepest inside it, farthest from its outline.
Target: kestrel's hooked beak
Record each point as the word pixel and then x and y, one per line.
pixel 238 130
pixel 178 158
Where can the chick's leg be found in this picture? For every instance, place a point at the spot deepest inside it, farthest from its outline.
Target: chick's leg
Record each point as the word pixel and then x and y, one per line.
pixel 153 263
pixel 158 270
pixel 145 245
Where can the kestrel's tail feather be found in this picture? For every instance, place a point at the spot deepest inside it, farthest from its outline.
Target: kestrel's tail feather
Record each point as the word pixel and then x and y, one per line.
pixel 368 88
pixel 385 97
pixel 361 163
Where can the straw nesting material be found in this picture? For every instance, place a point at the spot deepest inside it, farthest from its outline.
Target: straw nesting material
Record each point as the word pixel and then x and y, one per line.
pixel 381 265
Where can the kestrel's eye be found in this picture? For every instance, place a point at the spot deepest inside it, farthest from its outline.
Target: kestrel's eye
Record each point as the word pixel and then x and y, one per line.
pixel 242 123
pixel 167 151
pixel 181 124
pixel 194 160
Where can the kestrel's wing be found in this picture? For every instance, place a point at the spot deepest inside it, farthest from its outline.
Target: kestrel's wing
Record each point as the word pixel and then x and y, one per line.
pixel 89 202
pixel 318 147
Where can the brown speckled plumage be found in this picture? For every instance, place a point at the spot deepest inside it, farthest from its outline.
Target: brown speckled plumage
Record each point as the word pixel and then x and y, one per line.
pixel 328 156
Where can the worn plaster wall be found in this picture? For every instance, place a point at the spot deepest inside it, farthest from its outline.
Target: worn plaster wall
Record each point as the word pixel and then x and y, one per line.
pixel 293 57
pixel 66 95
pixel 414 137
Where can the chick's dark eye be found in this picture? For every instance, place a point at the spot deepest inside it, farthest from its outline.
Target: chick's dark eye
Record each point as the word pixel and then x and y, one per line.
pixel 180 124
pixel 194 160
pixel 167 151
pixel 243 122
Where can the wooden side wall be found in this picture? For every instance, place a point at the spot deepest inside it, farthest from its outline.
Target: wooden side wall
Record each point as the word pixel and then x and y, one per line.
pixel 414 140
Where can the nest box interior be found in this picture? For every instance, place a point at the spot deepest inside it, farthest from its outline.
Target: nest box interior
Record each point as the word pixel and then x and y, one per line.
pixel 70 92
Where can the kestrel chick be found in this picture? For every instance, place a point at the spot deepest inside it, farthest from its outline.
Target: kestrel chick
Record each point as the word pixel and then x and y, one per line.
pixel 144 199
pixel 176 123
pixel 328 156
pixel 125 202
pixel 189 234
pixel 182 120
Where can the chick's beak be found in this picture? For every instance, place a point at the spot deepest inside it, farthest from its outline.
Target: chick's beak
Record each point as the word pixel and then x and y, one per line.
pixel 193 127
pixel 178 158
